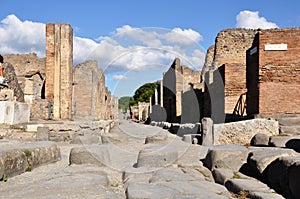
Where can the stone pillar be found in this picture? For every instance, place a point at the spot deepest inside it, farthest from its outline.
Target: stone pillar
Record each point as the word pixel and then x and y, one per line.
pixel 156 97
pixel 207 132
pixel 59 63
pixel 161 94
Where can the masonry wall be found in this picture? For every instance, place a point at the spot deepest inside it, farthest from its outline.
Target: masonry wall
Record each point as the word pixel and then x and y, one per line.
pixel 59 62
pixel 279 72
pixel 230 52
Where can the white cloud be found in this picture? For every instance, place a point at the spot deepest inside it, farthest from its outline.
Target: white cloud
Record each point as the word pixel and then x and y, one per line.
pixel 119 77
pixel 21 37
pixel 249 19
pixel 128 48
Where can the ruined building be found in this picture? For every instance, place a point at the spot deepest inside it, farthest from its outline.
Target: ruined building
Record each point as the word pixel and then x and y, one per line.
pixel 260 64
pixel 273 73
pixel 178 93
pixel 229 52
pixel 91 98
pixel 50 88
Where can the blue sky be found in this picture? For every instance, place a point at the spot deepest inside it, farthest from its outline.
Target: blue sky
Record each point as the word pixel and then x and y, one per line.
pixel 135 41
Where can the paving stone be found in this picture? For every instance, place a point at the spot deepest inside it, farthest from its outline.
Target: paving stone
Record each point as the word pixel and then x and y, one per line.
pixel 292 121
pixel 160 137
pixel 174 174
pixel 149 191
pixel 259 160
pixel 278 174
pixel 226 156
pixel 280 141
pixel 197 189
pixel 292 130
pixel 157 156
pixel 262 195
pixel 248 185
pixel 86 139
pixel 221 175
pixel 90 154
pixel 190 155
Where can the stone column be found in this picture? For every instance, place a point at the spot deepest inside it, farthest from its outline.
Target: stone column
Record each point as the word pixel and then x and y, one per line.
pixel 59 63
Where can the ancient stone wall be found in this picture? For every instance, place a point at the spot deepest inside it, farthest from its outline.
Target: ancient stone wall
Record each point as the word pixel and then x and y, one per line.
pixel 278 72
pixel 59 62
pixel 230 50
pixel 176 81
pixel 143 110
pixel 24 64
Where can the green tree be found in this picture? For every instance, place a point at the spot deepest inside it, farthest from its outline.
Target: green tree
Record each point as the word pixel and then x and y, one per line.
pixel 124 103
pixel 143 93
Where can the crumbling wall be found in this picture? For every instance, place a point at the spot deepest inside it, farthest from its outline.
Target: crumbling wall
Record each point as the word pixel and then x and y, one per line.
pixel 230 52
pixel 25 63
pixel 12 82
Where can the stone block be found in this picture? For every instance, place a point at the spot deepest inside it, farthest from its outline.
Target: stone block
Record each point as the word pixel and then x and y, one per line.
pixel 207 132
pixel 278 174
pixel 259 160
pixel 260 140
pixel 226 156
pixel 12 112
pixel 263 195
pixel 157 156
pixel 243 131
pixel 280 141
pixel 192 138
pixel 149 191
pixel 91 154
pixel 291 130
pixel 247 185
pixel 33 127
pixel 175 174
pixel 14 162
pixel 221 175
pixel 42 133
pixel 159 137
pixel 86 139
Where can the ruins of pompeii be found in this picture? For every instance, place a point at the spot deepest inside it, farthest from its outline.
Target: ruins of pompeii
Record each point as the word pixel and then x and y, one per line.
pixel 231 130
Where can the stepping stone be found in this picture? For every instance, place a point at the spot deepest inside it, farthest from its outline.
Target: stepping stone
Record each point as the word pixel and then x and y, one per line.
pixel 90 154
pixel 226 156
pixel 157 156
pixel 260 139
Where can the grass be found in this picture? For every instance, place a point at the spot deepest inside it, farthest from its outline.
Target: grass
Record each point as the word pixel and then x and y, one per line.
pixel 28 153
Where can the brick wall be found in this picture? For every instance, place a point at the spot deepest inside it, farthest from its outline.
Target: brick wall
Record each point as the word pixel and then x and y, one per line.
pixel 279 72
